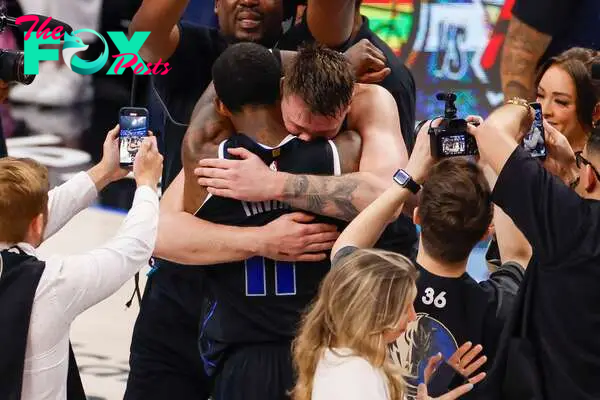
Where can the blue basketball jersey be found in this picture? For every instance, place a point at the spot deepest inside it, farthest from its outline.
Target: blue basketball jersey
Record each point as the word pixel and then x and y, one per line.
pixel 261 300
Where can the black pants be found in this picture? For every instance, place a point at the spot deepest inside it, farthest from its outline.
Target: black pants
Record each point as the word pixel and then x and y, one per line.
pixel 165 362
pixel 256 372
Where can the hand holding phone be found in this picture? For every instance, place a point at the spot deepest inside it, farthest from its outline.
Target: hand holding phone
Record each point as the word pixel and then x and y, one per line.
pixel 147 167
pixel 134 128
pixel 535 140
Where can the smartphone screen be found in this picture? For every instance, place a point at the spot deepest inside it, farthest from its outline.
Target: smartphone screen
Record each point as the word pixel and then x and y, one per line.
pixel 535 140
pixel 134 128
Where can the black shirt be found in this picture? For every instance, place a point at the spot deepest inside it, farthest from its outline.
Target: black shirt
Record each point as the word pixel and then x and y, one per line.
pixel 180 89
pixel 563 279
pixel 400 83
pixel 571 24
pixel 450 312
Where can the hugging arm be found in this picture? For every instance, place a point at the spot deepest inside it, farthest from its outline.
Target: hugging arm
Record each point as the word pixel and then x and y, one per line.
pixel 374 116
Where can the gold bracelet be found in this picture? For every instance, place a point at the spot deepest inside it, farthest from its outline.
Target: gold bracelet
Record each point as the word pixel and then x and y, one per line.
pixel 518 101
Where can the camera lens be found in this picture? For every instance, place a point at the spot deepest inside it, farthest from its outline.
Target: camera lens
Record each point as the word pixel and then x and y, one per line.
pixel 12 67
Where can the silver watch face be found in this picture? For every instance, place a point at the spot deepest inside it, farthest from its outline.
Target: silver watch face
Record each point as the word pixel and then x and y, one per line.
pixel 401 177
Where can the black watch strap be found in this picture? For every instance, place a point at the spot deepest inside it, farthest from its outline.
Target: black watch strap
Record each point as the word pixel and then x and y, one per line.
pixel 403 179
pixel 413 186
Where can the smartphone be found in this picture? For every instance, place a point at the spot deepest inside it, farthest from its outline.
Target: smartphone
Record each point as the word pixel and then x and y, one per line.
pixel 535 140
pixel 133 122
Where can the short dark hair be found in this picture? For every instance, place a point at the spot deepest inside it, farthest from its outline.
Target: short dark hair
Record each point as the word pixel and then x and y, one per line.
pixel 577 62
pixel 455 209
pixel 323 79
pixel 246 74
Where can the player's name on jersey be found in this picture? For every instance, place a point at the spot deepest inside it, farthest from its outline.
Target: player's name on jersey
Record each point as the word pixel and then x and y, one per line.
pixel 259 207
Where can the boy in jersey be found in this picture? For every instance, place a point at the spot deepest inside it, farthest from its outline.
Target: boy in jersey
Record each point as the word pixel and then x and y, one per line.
pixel 455 212
pixel 253 305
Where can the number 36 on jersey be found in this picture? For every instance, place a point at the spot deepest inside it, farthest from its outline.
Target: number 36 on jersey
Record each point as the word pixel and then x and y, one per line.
pixel 431 297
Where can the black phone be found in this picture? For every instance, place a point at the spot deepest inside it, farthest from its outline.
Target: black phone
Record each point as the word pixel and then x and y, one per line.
pixel 133 122
pixel 535 140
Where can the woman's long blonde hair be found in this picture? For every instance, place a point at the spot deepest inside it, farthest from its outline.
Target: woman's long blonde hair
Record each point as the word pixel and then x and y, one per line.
pixel 363 296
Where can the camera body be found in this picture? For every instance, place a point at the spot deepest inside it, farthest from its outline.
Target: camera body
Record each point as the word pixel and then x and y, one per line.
pixel 12 67
pixel 12 62
pixel 450 138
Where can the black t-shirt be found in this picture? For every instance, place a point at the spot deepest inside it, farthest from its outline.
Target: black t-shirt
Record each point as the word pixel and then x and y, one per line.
pixel 570 23
pixel 400 83
pixel 450 312
pixel 563 278
pixel 180 89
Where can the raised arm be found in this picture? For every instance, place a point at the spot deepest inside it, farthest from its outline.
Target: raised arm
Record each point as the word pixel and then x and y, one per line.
pixel 78 193
pixel 367 227
pixel 89 278
pixel 533 198
pixel 523 48
pixel 160 18
pixel 331 21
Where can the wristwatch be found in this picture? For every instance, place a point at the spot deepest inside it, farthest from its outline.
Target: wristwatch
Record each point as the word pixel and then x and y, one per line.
pixel 402 178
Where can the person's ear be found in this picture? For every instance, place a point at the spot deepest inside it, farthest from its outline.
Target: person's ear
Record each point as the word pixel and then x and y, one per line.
pixel 40 223
pixel 590 179
pixel 221 108
pixel 36 229
pixel 416 218
pixel 216 9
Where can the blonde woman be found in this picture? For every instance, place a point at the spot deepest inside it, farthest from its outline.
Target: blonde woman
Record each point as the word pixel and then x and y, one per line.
pixel 364 304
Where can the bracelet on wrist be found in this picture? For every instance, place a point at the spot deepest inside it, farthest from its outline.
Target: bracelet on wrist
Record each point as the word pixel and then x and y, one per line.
pixel 518 101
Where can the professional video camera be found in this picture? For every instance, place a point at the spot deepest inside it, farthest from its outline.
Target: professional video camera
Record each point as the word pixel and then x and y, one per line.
pixel 450 138
pixel 12 62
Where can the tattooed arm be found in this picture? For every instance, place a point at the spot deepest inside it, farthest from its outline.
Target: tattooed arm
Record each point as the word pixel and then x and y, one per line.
pixel 342 197
pixel 523 48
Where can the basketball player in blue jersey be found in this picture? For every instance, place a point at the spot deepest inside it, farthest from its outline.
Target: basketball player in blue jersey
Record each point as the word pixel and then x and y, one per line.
pixel 253 305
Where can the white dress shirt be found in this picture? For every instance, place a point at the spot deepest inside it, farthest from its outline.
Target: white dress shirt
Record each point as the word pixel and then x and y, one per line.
pixel 343 376
pixel 71 284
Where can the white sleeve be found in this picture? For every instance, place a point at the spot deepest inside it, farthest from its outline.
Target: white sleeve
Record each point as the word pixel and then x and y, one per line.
pixel 84 280
pixel 354 380
pixel 67 200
